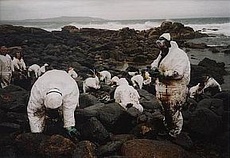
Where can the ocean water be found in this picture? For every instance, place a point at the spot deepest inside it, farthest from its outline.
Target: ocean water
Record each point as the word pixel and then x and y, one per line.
pixel 206 25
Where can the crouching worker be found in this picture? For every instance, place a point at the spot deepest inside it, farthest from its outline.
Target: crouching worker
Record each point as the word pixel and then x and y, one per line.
pixel 127 96
pixel 209 86
pixel 55 89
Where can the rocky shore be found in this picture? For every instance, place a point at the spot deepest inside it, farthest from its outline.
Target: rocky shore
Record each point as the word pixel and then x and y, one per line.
pixel 106 129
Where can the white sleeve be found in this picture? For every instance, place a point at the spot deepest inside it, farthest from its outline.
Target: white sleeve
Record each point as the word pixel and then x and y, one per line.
pixel 147 81
pixel 133 81
pixel 12 66
pixel 15 64
pixel 179 69
pixel 69 105
pixel 212 83
pixel 23 64
pixel 36 112
pixel 154 64
pixel 137 95
pixel 117 96
pixel 74 74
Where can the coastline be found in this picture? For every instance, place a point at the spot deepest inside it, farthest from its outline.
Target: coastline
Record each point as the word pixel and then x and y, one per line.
pixel 219 42
pixel 104 49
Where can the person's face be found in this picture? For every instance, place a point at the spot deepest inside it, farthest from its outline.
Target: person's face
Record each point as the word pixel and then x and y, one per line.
pixel 162 43
pixel 4 50
pixel 18 55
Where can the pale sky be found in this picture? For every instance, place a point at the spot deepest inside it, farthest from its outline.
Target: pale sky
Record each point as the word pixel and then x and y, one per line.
pixel 113 9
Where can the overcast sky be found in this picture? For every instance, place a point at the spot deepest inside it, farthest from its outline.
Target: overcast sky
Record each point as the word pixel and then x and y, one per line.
pixel 113 9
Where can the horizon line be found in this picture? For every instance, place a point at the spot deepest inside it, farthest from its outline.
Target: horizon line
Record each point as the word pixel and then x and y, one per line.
pixel 117 19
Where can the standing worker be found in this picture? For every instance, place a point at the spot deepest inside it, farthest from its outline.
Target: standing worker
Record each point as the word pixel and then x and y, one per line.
pixel 5 67
pixel 173 67
pixel 54 89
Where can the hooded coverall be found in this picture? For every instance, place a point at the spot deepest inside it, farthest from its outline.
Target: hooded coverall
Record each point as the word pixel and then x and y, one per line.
pixel 172 89
pixel 19 64
pixel 211 83
pixel 105 76
pixel 126 94
pixel 53 79
pixel 137 80
pixel 43 69
pixel 5 70
pixel 36 69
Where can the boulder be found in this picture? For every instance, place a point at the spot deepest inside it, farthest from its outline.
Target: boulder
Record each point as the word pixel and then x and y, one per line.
pixel 116 119
pixel 13 98
pixel 184 141
pixel 148 100
pixel 86 100
pixel 145 130
pixel 214 68
pixel 85 149
pixel 224 95
pixel 93 130
pixel 57 146
pixel 144 148
pixel 216 105
pixel 122 137
pixel 204 122
pixel 110 148
pixel 110 113
pixel 29 142
pixel 7 127
pixel 70 29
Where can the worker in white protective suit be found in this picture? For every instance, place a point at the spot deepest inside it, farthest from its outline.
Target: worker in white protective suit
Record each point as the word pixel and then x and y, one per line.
pixel 34 68
pixel 127 96
pixel 43 69
pixel 114 81
pixel 105 76
pixel 18 62
pixel 5 68
pixel 137 81
pixel 54 89
pixel 173 67
pixel 208 86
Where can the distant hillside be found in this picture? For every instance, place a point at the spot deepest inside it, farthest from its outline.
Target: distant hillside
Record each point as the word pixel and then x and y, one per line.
pixel 63 19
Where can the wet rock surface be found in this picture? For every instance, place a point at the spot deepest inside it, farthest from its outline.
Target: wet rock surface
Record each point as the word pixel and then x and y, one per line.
pixel 106 129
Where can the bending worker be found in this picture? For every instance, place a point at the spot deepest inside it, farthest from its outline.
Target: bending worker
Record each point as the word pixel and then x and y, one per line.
pixel 209 85
pixel 127 96
pixel 173 69
pixel 54 89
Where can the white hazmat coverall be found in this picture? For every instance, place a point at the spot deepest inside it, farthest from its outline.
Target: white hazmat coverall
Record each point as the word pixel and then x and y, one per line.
pixel 34 68
pixel 126 94
pixel 5 71
pixel 43 69
pixel 19 64
pixel 50 81
pixel 105 76
pixel 137 80
pixel 115 80
pixel 172 90
pixel 211 83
